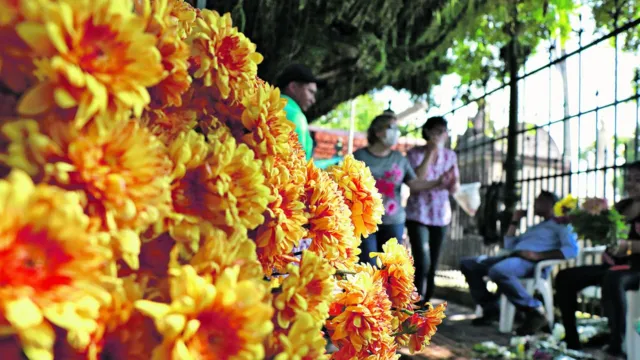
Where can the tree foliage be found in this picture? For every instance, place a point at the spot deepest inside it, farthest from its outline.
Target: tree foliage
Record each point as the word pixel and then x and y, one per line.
pixel 361 45
pixel 366 108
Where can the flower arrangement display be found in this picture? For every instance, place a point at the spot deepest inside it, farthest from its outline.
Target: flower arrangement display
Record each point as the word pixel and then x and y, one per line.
pixel 152 192
pixel 592 219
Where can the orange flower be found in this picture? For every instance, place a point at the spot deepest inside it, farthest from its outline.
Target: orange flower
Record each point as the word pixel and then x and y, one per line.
pixel 304 341
pixel 332 237
pixel 220 55
pixel 168 123
pixel 397 273
pixel 125 174
pixel 220 251
pixel 265 119
pixel 307 289
pixel 93 56
pixel 225 319
pixel 421 326
pixel 218 183
pixel 361 320
pixel 359 189
pixel 16 64
pixel 53 266
pixel 285 217
pixel 163 21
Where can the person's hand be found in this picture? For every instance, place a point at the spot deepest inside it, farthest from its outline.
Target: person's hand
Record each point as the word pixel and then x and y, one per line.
pixel 518 215
pixel 528 255
pixel 447 178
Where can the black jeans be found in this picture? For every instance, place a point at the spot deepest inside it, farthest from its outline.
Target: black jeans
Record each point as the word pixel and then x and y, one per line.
pixel 426 246
pixel 614 285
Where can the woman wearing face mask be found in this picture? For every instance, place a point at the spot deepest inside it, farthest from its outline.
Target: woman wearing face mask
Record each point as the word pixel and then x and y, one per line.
pixel 390 169
pixel 429 211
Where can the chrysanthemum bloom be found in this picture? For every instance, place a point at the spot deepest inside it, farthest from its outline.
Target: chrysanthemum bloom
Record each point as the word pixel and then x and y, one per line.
pixel 220 55
pixel 168 123
pixel 220 251
pixel 123 332
pixel 420 327
pixel 308 289
pixel 53 266
pixel 359 189
pixel 163 22
pixel 595 206
pixel 265 119
pixel 397 273
pixel 228 319
pixel 124 173
pixel 303 341
pixel 16 64
pixel 332 236
pixel 361 320
pixel 564 206
pixel 92 56
pixel 218 182
pixel 285 218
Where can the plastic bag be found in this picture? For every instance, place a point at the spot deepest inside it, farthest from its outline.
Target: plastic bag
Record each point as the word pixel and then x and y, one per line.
pixel 468 197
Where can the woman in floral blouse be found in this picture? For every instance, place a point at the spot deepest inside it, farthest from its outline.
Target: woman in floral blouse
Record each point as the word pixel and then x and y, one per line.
pixel 390 169
pixel 429 211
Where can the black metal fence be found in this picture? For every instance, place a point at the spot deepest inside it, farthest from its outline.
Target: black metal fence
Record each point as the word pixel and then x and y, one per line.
pixel 591 113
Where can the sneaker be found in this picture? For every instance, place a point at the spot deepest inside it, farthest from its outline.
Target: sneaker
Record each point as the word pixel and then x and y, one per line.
pixel 533 323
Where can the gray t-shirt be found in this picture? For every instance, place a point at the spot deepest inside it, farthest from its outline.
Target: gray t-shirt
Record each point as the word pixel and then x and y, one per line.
pixel 390 172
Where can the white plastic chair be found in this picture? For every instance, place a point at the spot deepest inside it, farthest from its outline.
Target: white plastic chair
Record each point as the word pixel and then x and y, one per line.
pixel 632 339
pixel 537 282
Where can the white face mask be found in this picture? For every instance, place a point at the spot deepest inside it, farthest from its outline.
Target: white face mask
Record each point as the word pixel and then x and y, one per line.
pixel 391 137
pixel 440 145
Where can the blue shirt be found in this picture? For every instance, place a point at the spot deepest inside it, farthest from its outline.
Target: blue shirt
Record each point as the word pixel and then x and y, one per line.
pixel 546 236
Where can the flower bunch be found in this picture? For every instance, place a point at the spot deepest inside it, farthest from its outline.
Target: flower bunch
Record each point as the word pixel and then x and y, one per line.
pixel 152 193
pixel 592 219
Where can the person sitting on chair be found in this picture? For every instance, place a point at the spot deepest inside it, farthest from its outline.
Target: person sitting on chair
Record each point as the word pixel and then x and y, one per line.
pixel 547 240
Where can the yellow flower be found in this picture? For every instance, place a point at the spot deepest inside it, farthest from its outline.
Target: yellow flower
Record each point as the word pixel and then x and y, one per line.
pixel 359 189
pixel 16 64
pixel 228 319
pixel 164 19
pixel 265 119
pixel 219 182
pixel 93 57
pixel 124 173
pixel 123 332
pixel 304 341
pixel 285 218
pixel 564 206
pixel 307 289
pixel 361 320
pixel 332 236
pixel 397 273
pixel 220 251
pixel 53 266
pixel 168 123
pixel 220 55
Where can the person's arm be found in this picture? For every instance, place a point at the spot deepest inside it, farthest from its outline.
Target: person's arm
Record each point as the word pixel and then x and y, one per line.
pixel 510 239
pixel 415 183
pixel 454 186
pixel 423 166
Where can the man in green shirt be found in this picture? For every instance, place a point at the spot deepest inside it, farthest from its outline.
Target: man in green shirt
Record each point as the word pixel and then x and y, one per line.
pixel 299 86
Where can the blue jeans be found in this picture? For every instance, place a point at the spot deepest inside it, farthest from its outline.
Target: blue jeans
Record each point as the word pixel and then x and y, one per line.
pixel 506 272
pixel 374 242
